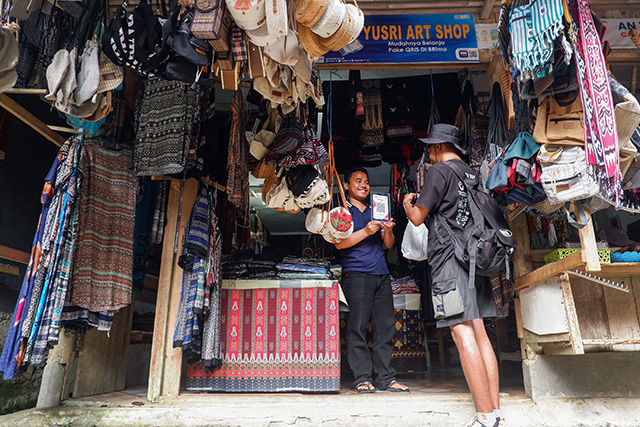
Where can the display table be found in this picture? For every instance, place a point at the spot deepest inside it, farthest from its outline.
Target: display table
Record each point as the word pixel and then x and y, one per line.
pixel 277 336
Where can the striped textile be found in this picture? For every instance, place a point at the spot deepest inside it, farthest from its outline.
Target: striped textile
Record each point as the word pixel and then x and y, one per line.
pixel 211 334
pixel 101 279
pixel 601 136
pixel 74 315
pixel 534 27
pixel 166 116
pixel 197 238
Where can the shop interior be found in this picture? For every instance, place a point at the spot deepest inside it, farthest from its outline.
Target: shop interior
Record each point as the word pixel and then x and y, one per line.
pixel 426 357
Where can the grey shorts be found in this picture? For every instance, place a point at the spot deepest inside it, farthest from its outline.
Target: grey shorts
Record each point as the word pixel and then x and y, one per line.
pixel 478 301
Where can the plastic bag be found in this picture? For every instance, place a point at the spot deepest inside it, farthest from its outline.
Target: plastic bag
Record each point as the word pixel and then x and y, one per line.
pixel 414 242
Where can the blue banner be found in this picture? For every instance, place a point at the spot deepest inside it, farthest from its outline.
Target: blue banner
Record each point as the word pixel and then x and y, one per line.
pixel 410 39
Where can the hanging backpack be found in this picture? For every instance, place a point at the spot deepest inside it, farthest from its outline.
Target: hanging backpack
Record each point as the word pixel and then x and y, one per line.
pixel 487 243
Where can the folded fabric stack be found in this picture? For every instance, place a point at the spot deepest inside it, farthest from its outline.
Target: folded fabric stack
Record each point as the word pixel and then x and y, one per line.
pixel 250 267
pixel 303 268
pixel 404 285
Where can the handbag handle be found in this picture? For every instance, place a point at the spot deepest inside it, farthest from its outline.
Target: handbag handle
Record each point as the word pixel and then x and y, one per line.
pixel 205 6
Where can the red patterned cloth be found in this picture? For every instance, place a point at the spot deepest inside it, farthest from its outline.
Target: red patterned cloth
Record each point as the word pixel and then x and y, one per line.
pixel 276 339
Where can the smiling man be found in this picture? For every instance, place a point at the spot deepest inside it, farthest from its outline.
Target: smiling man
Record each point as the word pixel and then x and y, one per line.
pixel 367 286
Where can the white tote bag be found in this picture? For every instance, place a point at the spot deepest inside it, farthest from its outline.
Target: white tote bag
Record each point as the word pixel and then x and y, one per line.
pixel 414 242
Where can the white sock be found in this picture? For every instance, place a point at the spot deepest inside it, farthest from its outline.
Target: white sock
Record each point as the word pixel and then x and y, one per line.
pixel 486 419
pixel 496 412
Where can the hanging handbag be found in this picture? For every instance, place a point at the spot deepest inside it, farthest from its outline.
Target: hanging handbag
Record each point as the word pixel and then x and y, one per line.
pixel 207 19
pixel 221 44
pixel 565 174
pixel 560 121
pixel 238 44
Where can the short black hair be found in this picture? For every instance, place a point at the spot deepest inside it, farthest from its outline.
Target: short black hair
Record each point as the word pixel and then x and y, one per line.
pixel 347 174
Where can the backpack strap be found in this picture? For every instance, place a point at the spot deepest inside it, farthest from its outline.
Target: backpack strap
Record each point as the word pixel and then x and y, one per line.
pixel 477 215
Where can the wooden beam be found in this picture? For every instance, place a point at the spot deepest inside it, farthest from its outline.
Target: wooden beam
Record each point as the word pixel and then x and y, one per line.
pixel 487 7
pixel 166 361
pixel 574 261
pixel 14 255
pixel 32 121
pixel 572 315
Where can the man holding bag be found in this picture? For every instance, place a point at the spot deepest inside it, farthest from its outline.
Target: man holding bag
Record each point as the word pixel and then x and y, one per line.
pixel 366 284
pixel 462 307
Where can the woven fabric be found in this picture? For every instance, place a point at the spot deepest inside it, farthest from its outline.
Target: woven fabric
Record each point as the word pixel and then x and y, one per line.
pixel 373 126
pixel 11 361
pixel 197 237
pixel 164 131
pixel 601 137
pixel 532 54
pixel 45 329
pixel 238 157
pixel 102 269
pixel 275 340
pixel 74 315
pixel 238 44
pixel 187 334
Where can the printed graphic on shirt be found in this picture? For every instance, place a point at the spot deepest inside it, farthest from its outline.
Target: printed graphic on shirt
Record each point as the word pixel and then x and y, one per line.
pixel 463 206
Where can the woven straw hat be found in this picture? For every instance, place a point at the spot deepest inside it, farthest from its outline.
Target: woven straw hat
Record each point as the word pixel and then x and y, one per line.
pixel 342 37
pixel 247 14
pixel 316 220
pixel 308 12
pixel 261 36
pixel 277 17
pixel 358 16
pixel 331 19
pixel 311 42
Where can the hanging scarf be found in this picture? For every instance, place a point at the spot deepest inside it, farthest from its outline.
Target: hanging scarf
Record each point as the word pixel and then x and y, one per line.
pixel 601 137
pixel 534 27
pixel 503 30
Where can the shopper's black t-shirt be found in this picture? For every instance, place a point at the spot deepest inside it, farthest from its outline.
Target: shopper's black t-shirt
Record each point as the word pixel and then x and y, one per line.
pixel 444 193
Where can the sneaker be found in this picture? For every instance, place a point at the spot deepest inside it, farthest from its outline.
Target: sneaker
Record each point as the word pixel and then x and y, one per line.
pixel 475 423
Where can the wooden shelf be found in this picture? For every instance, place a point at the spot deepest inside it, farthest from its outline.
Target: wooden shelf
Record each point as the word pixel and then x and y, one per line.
pixel 575 261
pixel 618 269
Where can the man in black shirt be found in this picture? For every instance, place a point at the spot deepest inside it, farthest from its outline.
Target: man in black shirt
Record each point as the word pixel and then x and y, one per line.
pixel 445 197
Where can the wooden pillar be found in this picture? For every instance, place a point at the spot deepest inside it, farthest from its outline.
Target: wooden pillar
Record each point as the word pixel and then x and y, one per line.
pixel 166 361
pixel 588 242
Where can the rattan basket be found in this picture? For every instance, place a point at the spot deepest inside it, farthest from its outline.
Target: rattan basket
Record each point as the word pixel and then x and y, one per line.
pixel 311 42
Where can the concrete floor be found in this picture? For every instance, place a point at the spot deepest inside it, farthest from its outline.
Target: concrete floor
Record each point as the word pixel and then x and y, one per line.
pixel 438 399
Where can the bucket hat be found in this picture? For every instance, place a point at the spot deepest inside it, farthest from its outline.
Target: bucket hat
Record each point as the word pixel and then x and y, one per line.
pixel 110 74
pixel 88 73
pixel 331 19
pixel 308 12
pixel 56 72
pixel 441 133
pixel 8 50
pixel 8 79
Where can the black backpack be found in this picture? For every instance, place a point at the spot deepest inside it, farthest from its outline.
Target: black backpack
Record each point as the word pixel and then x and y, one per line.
pixel 487 243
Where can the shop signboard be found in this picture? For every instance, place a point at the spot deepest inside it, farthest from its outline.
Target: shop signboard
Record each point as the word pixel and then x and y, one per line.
pixel 617 33
pixel 411 39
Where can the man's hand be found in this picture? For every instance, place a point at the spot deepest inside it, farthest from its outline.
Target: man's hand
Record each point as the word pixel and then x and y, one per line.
pixel 372 227
pixel 388 225
pixel 408 198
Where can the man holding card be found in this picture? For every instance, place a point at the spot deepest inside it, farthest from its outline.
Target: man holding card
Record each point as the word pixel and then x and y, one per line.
pixel 366 284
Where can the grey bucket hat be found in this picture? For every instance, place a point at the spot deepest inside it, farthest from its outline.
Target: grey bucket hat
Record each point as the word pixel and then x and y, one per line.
pixel 441 133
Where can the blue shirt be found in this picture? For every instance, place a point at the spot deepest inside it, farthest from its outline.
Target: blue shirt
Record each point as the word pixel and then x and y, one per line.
pixel 368 255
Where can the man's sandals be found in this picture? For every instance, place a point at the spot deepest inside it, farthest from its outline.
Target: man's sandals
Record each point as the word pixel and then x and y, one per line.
pixel 396 387
pixel 364 387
